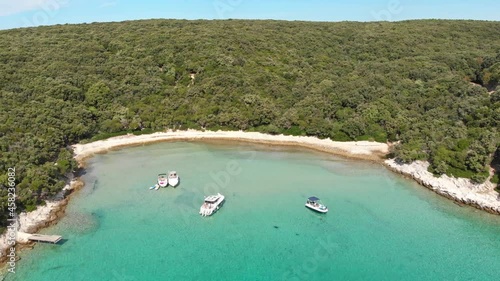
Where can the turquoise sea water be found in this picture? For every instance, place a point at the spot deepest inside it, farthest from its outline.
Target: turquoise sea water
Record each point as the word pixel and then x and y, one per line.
pixel 379 227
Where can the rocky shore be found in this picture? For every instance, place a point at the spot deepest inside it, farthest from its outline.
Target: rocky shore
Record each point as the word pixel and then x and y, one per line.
pixel 481 196
pixel 43 216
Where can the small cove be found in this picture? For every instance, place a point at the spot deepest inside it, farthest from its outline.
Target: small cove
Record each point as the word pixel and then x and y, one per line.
pixel 380 226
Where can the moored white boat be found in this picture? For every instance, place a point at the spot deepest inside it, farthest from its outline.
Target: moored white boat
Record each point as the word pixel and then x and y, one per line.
pixel 173 178
pixel 162 180
pixel 211 204
pixel 314 203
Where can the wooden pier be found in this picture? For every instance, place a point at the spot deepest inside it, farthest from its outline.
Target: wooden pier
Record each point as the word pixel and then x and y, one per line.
pixel 45 238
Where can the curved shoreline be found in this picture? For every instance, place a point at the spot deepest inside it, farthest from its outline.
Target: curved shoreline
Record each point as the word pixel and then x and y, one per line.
pixel 50 213
pixel 365 150
pixel 460 190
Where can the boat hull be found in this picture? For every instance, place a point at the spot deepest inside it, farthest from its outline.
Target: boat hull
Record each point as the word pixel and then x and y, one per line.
pixel 173 182
pixel 316 209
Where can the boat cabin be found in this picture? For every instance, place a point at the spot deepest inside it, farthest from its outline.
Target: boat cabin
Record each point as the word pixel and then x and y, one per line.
pixel 211 199
pixel 313 200
pixel 172 174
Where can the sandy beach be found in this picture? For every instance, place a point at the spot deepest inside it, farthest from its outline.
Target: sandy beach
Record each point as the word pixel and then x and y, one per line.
pixel 360 149
pixel 461 190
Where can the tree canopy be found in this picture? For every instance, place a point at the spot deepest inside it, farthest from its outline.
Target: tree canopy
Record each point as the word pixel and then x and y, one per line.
pixel 431 86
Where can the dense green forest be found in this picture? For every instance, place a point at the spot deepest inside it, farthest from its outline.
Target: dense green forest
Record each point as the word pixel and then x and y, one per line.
pixel 430 86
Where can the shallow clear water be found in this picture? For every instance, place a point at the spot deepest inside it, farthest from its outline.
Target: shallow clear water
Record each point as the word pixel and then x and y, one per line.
pixel 379 227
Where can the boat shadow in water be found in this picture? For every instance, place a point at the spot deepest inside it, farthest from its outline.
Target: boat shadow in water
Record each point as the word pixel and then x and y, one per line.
pixel 187 199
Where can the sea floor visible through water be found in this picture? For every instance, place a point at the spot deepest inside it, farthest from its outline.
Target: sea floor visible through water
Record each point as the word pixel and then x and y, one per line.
pixel 380 226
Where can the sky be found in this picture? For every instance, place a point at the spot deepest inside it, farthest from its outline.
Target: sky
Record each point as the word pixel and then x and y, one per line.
pixel 25 13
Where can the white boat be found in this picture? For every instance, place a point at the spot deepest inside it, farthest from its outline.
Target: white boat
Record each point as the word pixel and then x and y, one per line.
pixel 314 203
pixel 211 204
pixel 173 178
pixel 155 187
pixel 162 180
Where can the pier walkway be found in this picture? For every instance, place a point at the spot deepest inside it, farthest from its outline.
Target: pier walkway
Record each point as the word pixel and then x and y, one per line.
pixel 45 238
